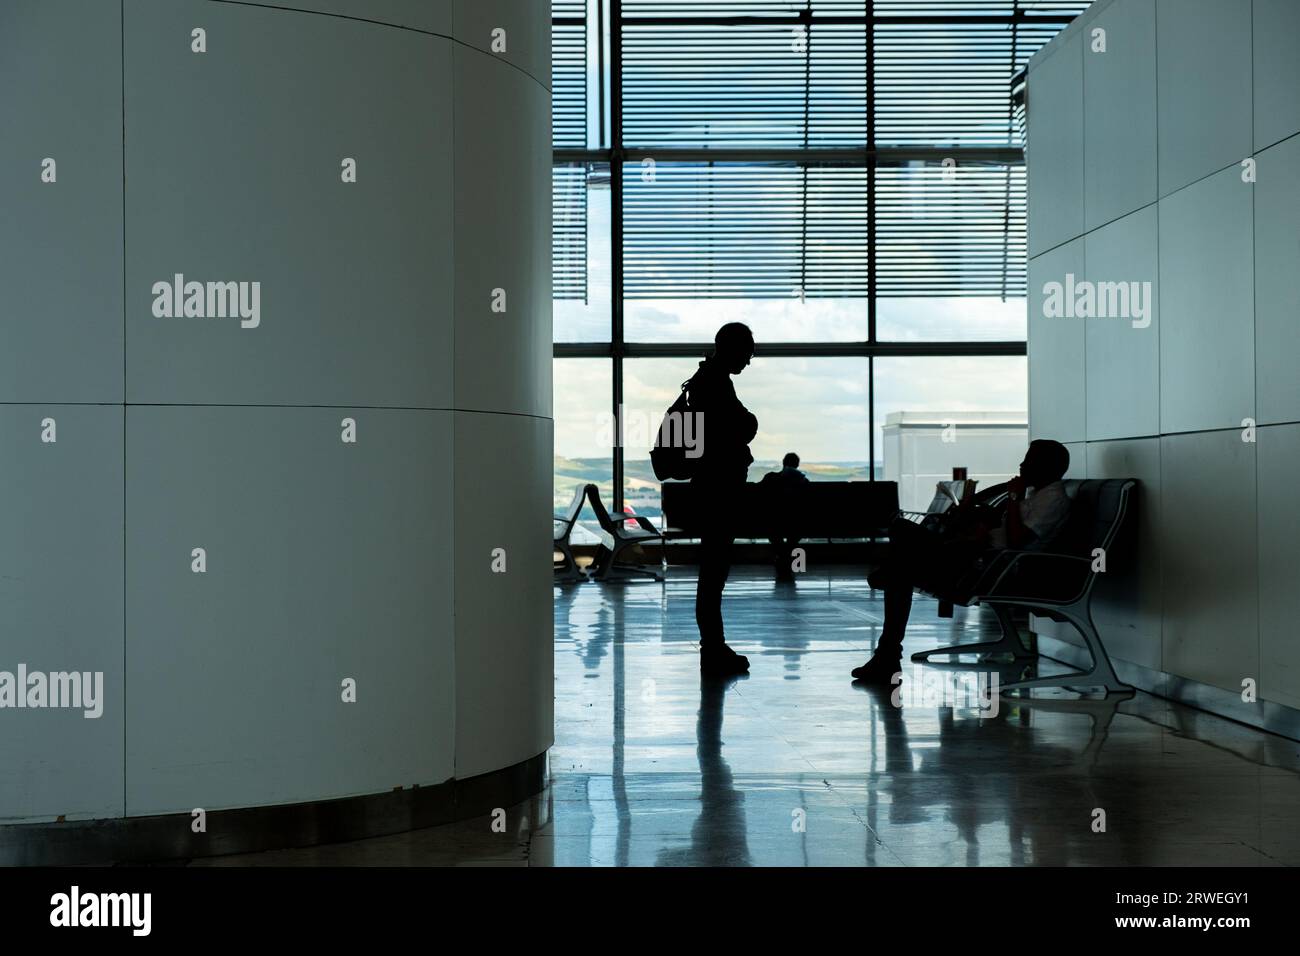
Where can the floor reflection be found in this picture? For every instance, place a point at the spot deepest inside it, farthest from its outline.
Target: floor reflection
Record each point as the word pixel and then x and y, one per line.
pixel 874 783
pixel 795 766
pixel 718 835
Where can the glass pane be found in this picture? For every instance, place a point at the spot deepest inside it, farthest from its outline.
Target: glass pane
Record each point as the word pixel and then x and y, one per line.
pixel 580 231
pixel 745 84
pixel 969 319
pixel 950 249
pixel 569 83
pixel 697 320
pixel 781 247
pixel 815 407
pixel 937 413
pixel 579 74
pixel 583 437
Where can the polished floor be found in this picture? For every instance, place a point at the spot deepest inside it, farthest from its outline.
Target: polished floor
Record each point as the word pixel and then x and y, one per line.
pixel 794 766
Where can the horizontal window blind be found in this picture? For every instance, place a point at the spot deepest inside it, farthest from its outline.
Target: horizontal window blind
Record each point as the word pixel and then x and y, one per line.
pixel 772 74
pixel 735 230
pixel 955 9
pixel 943 70
pixel 569 73
pixel 950 231
pixel 742 85
pixel 569 231
pixel 765 75
pixel 714 9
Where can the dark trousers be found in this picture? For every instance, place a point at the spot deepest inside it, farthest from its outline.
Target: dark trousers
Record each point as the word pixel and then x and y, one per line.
pixel 921 558
pixel 717 501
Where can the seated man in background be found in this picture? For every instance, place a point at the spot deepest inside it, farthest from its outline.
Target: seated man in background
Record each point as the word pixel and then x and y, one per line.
pixel 1035 509
pixel 783 487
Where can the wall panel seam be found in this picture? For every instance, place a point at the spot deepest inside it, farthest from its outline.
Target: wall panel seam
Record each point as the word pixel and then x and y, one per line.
pixel 385 23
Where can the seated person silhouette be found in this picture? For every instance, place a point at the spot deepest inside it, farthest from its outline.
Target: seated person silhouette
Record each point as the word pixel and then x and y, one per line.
pixel 782 497
pixel 1036 509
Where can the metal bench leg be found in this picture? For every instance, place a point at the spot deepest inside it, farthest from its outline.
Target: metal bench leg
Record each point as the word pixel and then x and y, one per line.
pixel 569 572
pixel 1008 643
pixel 1100 674
pixel 612 566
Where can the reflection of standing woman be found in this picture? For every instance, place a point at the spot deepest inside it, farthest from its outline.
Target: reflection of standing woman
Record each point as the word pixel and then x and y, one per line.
pixel 719 836
pixel 727 429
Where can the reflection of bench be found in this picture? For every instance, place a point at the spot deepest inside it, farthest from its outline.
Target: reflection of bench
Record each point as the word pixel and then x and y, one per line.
pixel 819 509
pixel 1056 583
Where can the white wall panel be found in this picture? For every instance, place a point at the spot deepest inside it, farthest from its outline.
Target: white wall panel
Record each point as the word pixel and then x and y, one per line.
pixel 1123 350
pixel 1209 557
pixel 505 693
pixel 1119 103
pixel 1127 602
pixel 1056 351
pixel 325 560
pixel 503 239
pixel 433 16
pixel 1204 63
pixel 1277 70
pixel 1207 334
pixel 1279 571
pixel 234 173
pixel 1277 282
pixel 526 30
pixel 61 595
pixel 61 271
pixel 1054 150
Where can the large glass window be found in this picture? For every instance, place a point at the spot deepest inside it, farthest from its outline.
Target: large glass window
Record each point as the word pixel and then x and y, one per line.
pixel 583 437
pixel 936 413
pixel 814 407
pixel 580 231
pixel 844 176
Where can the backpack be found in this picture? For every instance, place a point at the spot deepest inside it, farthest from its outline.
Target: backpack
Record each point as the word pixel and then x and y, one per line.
pixel 670 460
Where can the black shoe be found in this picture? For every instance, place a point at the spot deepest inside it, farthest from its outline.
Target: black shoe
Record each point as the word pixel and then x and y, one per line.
pixel 719 660
pixel 880 670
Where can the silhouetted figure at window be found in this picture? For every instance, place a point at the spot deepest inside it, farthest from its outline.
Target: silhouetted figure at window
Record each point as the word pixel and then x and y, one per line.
pixel 782 499
pixel 719 480
pixel 1036 508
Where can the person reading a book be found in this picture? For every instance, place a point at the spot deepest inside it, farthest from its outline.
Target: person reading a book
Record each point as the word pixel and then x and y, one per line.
pixel 1035 509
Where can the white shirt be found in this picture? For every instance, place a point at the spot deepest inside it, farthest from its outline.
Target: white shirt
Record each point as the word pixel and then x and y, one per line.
pixel 1043 511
